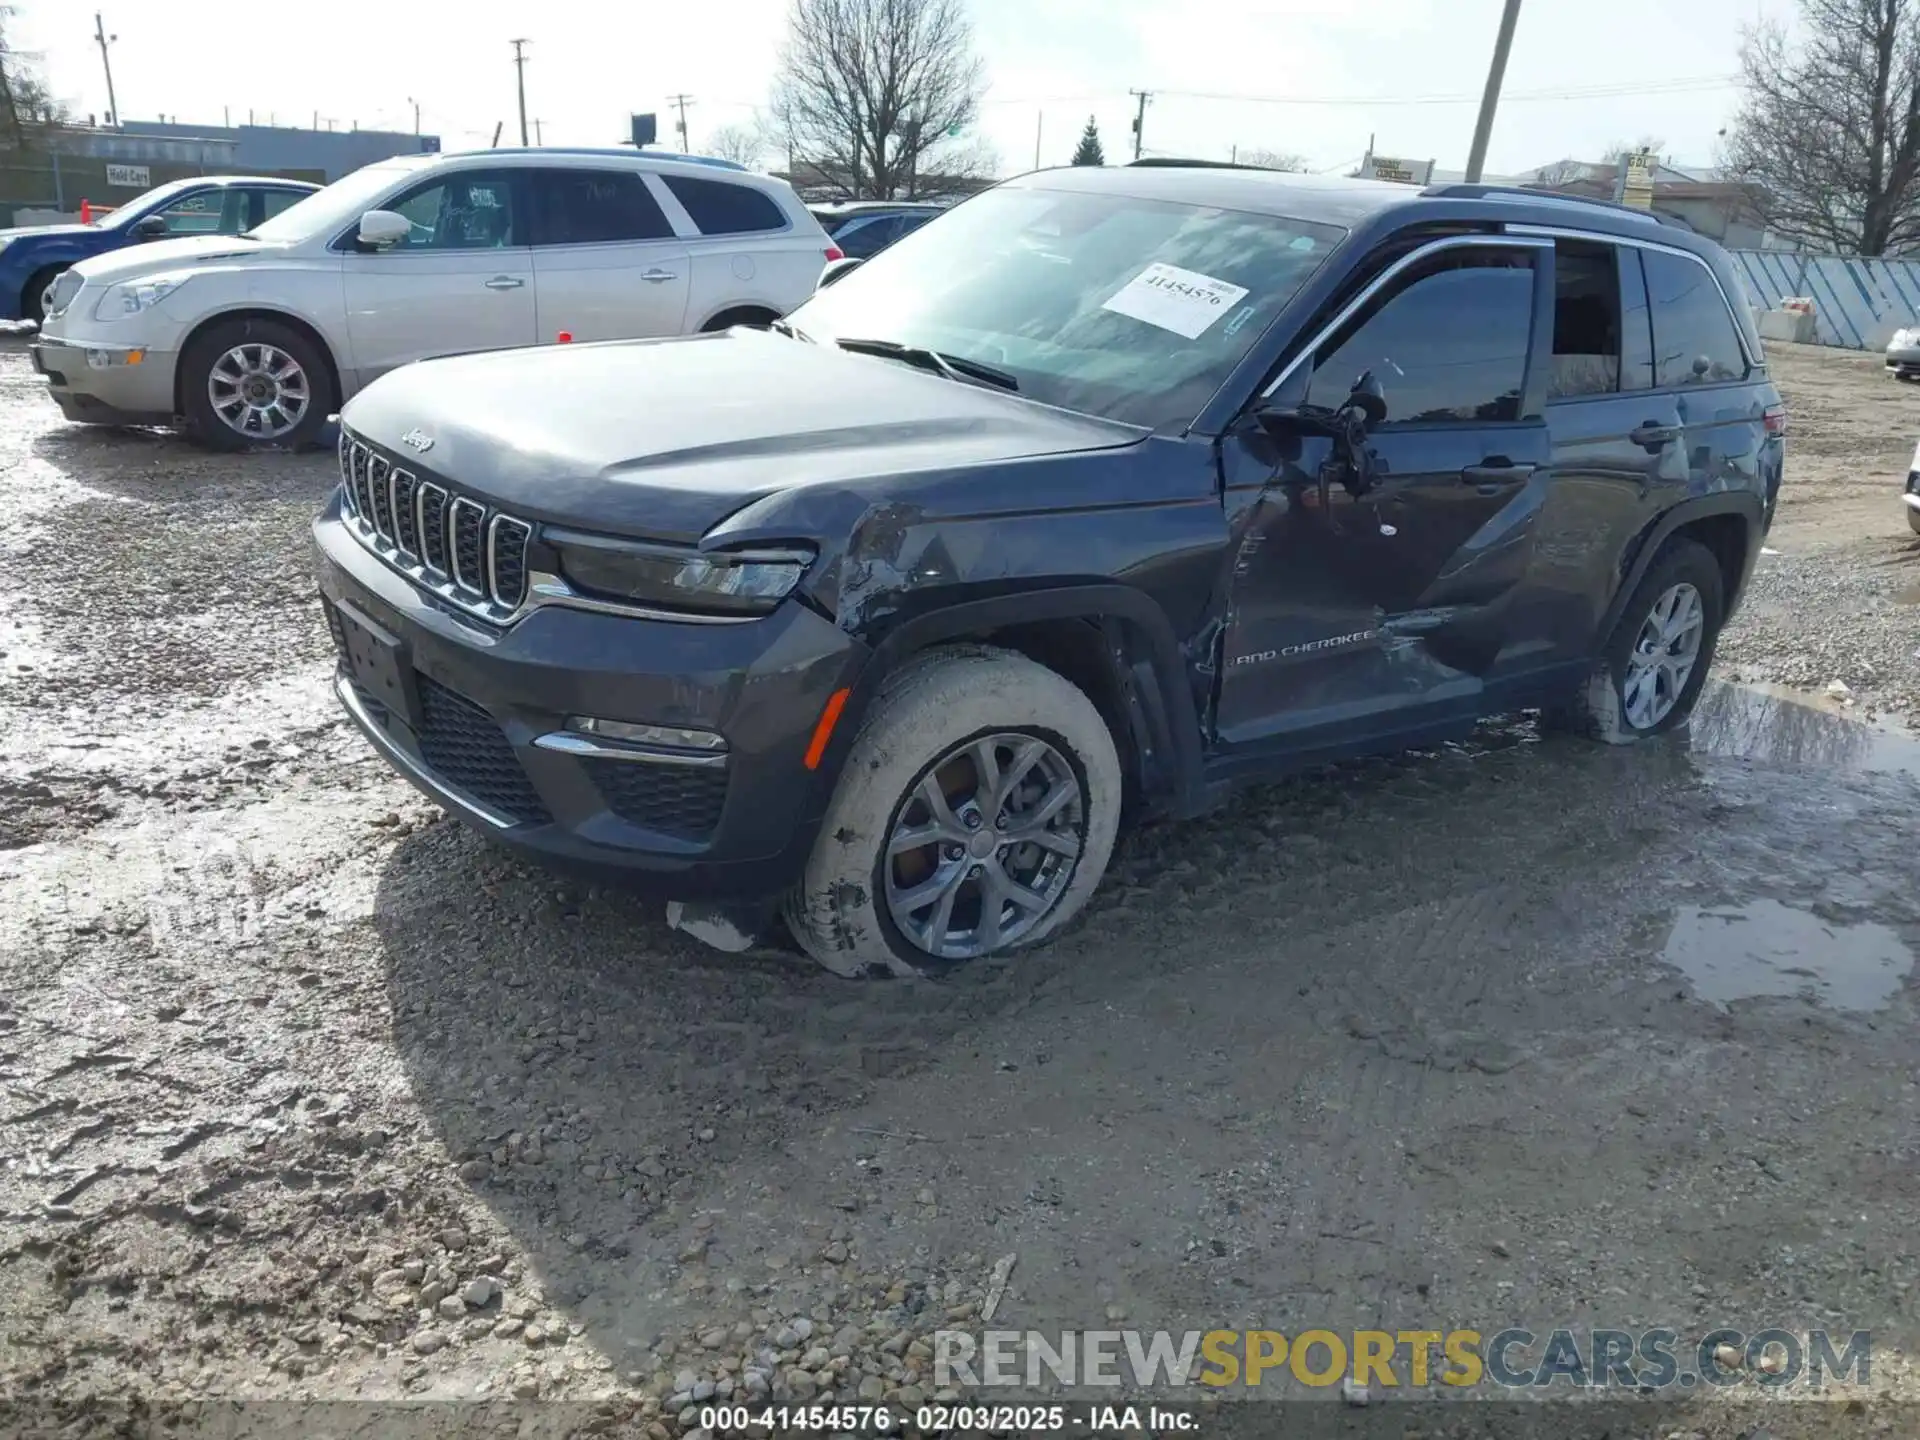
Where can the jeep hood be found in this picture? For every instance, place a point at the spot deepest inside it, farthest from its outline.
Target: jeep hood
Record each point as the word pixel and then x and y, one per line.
pixel 156 256
pixel 667 438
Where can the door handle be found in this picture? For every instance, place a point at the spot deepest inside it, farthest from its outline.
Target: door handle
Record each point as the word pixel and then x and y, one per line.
pixel 1496 474
pixel 505 282
pixel 1652 435
pixel 656 275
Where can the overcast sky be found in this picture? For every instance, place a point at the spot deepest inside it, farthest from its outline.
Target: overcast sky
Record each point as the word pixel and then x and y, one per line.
pixel 1312 76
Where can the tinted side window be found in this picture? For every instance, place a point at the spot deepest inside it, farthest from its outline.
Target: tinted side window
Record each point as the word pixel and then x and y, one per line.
pixel 595 207
pixel 1636 330
pixel 473 210
pixel 1586 321
pixel 867 237
pixel 718 208
pixel 1449 344
pixel 1695 341
pixel 201 212
pixel 272 202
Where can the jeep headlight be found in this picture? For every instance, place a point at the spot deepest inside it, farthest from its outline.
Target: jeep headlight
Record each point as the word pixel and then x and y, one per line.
pixel 747 582
pixel 130 297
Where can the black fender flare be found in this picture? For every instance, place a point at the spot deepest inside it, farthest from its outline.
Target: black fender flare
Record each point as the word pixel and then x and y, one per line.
pixel 1154 685
pixel 1744 503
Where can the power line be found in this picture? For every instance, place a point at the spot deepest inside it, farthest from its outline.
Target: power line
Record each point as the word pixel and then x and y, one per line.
pixel 681 102
pixel 1576 92
pixel 520 79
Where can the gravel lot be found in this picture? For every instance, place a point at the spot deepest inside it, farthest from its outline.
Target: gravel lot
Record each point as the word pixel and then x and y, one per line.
pixel 305 1093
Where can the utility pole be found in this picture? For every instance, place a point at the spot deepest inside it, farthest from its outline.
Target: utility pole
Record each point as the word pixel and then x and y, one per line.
pixel 498 126
pixel 1139 118
pixel 539 138
pixel 680 102
pixel 1496 74
pixel 520 78
pixel 102 39
pixel 416 113
pixel 1039 123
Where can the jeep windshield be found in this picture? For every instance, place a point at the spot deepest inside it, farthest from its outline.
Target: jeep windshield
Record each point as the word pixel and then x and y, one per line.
pixel 1107 304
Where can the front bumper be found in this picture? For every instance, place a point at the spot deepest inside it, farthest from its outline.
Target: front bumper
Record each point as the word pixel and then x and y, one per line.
pixel 488 741
pixel 107 384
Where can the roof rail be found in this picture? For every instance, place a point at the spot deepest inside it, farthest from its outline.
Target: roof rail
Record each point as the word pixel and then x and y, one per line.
pixel 1456 190
pixel 627 151
pixel 1175 162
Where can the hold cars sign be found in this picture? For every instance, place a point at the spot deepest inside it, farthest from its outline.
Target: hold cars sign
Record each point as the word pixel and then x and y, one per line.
pixel 1407 172
pixel 133 177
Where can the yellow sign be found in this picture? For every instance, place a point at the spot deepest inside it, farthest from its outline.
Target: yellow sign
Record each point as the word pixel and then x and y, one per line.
pixel 1639 191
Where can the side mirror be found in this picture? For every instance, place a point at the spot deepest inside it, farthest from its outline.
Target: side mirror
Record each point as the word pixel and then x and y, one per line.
pixel 1369 399
pixel 381 228
pixel 838 270
pixel 150 227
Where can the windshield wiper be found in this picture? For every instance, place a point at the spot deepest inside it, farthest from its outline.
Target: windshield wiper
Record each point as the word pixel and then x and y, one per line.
pixel 954 367
pixel 789 329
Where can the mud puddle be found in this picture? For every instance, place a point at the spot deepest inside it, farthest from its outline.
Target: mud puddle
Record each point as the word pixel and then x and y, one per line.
pixel 1774 725
pixel 1764 948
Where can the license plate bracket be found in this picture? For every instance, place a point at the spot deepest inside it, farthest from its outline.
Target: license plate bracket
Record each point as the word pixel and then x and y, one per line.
pixel 377 660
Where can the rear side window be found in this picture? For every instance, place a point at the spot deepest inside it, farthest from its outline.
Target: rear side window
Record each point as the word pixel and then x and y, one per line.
pixel 865 238
pixel 1695 340
pixel 1586 321
pixel 596 207
pixel 718 208
pixel 1447 344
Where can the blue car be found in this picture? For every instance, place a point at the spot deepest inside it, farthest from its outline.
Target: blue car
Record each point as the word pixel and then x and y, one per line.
pixel 30 258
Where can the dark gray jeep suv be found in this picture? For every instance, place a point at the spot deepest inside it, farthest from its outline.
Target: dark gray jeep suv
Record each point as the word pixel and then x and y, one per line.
pixel 1104 492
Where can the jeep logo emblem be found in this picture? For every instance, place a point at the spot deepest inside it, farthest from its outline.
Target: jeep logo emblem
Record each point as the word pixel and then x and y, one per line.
pixel 417 440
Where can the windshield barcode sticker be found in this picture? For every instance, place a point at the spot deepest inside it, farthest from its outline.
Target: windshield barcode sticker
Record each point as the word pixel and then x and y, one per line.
pixel 1183 301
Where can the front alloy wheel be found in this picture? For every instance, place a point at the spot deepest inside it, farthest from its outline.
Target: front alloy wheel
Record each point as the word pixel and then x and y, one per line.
pixel 259 391
pixel 985 845
pixel 973 815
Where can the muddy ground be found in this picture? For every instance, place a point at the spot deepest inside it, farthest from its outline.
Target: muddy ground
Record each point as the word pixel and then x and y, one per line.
pixel 306 1093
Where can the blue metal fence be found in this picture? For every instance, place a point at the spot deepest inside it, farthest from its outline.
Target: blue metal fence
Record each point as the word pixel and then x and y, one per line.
pixel 1858 304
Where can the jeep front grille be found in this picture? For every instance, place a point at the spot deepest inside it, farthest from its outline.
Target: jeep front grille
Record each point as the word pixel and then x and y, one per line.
pixel 457 547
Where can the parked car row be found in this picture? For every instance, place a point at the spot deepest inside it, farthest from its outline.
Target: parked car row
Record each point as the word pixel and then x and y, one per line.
pixel 255 329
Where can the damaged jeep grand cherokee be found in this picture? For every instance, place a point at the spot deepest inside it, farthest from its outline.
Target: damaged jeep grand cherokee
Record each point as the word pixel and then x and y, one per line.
pixel 1104 492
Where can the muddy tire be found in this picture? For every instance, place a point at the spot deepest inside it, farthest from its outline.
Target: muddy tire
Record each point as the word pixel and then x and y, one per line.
pixel 1653 665
pixel 975 816
pixel 249 384
pixel 1913 520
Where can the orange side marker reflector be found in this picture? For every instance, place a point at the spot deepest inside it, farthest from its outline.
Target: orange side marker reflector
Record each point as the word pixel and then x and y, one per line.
pixel 823 732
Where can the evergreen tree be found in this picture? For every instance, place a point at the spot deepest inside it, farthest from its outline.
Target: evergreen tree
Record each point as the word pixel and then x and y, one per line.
pixel 1089 152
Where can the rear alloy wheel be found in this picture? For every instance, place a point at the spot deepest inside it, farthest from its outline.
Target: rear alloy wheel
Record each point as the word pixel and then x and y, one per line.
pixel 975 815
pixel 1661 648
pixel 255 383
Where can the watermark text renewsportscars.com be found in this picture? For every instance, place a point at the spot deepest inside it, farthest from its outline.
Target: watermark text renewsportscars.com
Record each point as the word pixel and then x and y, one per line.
pixel 1509 1359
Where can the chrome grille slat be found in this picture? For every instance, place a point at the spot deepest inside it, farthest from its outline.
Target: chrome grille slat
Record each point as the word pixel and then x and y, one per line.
pixel 406 529
pixel 466 540
pixel 460 549
pixel 507 560
pixel 382 508
pixel 433 527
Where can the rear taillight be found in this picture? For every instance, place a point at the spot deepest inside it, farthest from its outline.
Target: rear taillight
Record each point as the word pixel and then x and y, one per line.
pixel 834 252
pixel 1776 419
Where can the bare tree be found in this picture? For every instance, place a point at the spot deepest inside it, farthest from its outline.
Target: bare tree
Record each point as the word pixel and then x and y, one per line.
pixel 742 144
pixel 27 108
pixel 872 90
pixel 1273 159
pixel 1559 174
pixel 1828 134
